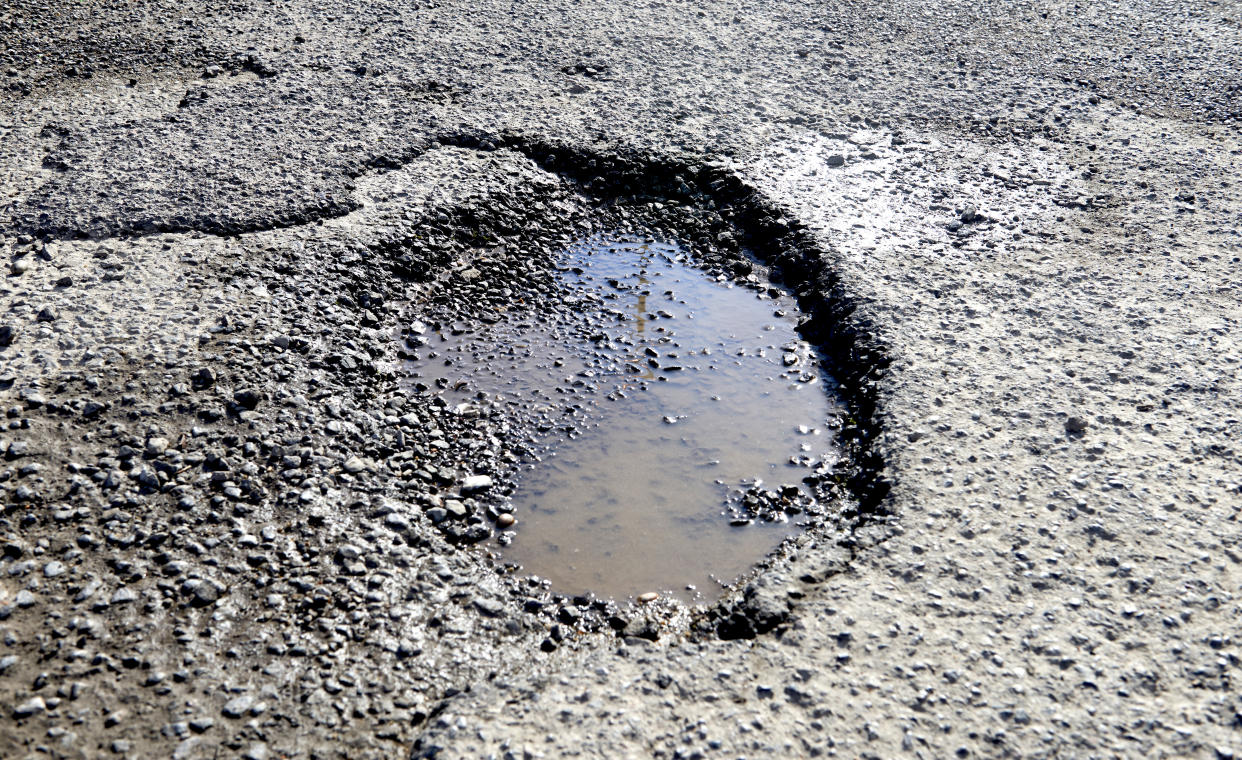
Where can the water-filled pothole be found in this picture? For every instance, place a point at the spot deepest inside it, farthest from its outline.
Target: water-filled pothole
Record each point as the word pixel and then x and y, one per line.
pixel 681 426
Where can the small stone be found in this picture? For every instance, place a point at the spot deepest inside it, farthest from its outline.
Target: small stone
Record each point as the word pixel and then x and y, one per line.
pixel 648 597
pixel 186 749
pixel 248 399
pixel 123 595
pixel 354 465
pixel 836 159
pixel 476 484
pixel 20 267
pixel 489 607
pixel 969 214
pixel 7 334
pixel 32 706
pixel 204 593
pixel 397 522
pixel 1076 425
pixel 53 569
pixel 48 314
pixel 238 707
pixel 256 752
pixel 437 514
pixel 202 379
pixel 505 520
pixel 199 725
pixel 156 446
pixel 641 628
pixel 24 599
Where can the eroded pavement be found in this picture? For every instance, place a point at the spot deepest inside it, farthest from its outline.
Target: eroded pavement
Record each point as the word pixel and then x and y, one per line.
pixel 1014 231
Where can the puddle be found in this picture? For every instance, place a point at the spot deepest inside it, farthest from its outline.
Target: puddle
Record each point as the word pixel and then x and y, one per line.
pixel 673 418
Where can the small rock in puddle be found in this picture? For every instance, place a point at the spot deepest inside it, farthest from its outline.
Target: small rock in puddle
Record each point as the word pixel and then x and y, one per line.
pixel 675 419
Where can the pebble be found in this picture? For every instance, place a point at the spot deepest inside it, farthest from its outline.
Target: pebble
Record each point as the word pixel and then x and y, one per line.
pixel 248 399
pixel 89 590
pixel 199 725
pixel 123 595
pixel 489 607
pixel 476 484
pixel 648 597
pixel 256 752
pixel 186 749
pixel 238 707
pixel 204 593
pixel 202 378
pixel 505 520
pixel 32 706
pixel 438 515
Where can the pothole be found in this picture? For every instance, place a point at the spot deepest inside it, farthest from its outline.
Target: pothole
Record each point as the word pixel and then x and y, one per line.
pixel 674 428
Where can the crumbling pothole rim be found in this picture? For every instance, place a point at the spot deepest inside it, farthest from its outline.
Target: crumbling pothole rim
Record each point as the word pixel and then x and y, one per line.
pixel 834 322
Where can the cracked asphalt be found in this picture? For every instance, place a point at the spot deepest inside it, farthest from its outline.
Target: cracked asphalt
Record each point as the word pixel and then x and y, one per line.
pixel 1013 228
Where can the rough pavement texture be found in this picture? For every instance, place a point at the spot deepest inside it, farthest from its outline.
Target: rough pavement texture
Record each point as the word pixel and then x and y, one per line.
pixel 217 527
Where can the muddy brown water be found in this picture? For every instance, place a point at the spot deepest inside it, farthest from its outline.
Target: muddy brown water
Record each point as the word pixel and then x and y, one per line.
pixel 656 392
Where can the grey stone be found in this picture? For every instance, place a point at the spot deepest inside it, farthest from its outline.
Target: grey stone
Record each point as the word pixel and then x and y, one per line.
pixel 32 706
pixel 476 484
pixel 238 707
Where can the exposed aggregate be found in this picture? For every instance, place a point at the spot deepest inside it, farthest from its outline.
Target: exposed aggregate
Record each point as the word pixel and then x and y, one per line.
pixel 1016 225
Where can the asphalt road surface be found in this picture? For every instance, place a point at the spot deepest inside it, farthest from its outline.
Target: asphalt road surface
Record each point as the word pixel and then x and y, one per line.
pixel 232 529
